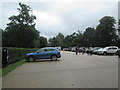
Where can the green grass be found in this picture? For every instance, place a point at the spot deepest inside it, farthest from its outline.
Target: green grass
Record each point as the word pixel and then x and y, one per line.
pixel 11 67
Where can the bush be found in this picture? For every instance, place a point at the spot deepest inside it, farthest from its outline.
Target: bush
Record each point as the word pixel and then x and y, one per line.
pixel 16 54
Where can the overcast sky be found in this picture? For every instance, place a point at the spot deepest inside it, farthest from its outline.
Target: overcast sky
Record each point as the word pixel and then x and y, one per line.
pixel 65 16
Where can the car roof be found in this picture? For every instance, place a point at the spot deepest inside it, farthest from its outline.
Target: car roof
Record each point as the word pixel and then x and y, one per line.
pixel 111 47
pixel 48 48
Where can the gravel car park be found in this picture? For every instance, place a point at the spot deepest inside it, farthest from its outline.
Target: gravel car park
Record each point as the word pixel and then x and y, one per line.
pixel 71 71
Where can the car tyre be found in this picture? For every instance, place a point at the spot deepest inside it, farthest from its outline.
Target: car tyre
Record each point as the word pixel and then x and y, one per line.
pixel 119 56
pixel 116 53
pixel 105 53
pixel 54 57
pixel 31 59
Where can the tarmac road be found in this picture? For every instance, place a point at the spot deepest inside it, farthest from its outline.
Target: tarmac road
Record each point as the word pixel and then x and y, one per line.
pixel 70 71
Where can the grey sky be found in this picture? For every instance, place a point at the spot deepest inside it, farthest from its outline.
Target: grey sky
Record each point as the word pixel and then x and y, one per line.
pixel 63 16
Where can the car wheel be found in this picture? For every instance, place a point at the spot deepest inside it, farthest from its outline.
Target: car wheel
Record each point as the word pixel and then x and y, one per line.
pixel 54 57
pixel 31 59
pixel 119 56
pixel 105 53
pixel 116 53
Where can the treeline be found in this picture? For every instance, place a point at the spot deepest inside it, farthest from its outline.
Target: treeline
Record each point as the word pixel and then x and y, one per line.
pixel 105 34
pixel 21 32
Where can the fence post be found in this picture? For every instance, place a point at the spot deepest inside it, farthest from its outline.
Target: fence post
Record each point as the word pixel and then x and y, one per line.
pixel 4 57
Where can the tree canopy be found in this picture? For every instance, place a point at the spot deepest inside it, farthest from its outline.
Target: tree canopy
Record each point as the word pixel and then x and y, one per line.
pixel 21 31
pixel 106 31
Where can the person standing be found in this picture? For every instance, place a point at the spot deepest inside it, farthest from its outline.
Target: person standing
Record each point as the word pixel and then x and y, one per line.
pixel 76 51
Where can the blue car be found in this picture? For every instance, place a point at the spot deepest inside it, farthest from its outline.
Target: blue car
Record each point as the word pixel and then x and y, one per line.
pixel 44 53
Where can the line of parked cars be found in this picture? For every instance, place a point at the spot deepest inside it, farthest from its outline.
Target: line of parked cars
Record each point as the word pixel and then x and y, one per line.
pixel 97 50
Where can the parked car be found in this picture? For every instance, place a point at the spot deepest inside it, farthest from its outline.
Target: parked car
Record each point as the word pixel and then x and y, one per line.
pixel 99 51
pixel 108 50
pixel 118 53
pixel 44 53
pixel 73 49
pixel 65 49
pixel 69 48
pixel 95 50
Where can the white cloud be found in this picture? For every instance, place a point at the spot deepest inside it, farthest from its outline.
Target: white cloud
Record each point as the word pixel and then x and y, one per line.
pixel 45 18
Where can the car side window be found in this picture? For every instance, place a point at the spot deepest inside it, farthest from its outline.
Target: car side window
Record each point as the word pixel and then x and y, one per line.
pixel 42 50
pixel 52 49
pixel 109 48
pixel 46 50
pixel 114 48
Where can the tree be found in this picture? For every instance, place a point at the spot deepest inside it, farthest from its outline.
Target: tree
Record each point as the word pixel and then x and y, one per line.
pixel 57 41
pixel 118 40
pixel 73 40
pixel 43 41
pixel 89 36
pixel 67 41
pixel 53 42
pixel 60 39
pixel 119 27
pixel 21 32
pixel 40 42
pixel 1 31
pixel 106 32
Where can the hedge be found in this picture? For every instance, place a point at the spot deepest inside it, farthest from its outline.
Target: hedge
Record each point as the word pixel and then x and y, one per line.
pixel 16 54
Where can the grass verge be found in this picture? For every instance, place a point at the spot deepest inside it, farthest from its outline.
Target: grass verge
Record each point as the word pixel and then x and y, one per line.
pixel 11 67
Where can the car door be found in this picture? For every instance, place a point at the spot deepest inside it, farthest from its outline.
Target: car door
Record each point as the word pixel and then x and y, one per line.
pixel 114 50
pixel 44 54
pixel 40 53
pixel 47 53
pixel 109 50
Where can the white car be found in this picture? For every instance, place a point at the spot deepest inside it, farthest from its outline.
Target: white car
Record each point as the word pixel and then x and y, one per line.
pixel 108 50
pixel 95 50
pixel 99 50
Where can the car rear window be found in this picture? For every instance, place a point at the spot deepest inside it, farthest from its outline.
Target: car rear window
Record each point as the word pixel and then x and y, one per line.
pixel 114 48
